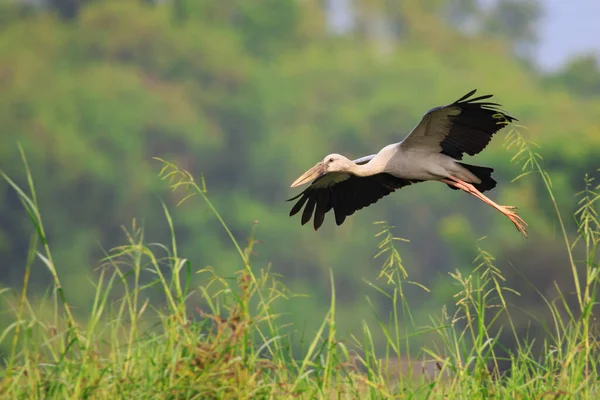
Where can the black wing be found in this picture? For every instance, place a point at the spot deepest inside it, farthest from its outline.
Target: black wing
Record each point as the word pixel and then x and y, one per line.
pixel 465 126
pixel 343 196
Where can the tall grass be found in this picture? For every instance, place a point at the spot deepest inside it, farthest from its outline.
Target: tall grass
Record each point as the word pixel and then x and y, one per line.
pixel 224 338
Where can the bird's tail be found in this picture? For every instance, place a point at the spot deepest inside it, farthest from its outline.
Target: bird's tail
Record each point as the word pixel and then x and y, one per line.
pixel 484 174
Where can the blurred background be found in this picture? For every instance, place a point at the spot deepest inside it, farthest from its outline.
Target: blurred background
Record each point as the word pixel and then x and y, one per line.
pixel 250 94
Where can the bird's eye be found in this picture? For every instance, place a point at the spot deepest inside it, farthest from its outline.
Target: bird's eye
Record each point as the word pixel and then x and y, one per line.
pixel 330 160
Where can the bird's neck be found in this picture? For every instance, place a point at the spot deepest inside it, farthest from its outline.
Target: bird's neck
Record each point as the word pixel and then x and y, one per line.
pixel 368 169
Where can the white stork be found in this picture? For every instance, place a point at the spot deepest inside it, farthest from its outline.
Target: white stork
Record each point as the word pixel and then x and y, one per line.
pixel 430 152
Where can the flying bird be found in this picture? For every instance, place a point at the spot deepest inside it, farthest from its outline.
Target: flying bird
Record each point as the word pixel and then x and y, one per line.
pixel 431 152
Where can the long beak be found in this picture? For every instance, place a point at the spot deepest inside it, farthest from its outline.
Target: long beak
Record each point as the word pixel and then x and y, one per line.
pixel 310 175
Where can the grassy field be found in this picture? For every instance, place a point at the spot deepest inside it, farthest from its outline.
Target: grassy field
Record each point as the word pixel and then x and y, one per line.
pixel 144 337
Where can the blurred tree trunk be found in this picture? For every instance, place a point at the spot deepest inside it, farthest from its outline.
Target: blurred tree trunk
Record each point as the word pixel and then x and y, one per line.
pixel 67 9
pixel 179 10
pixel 516 21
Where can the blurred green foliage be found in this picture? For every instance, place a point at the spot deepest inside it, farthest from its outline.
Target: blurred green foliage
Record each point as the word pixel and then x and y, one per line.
pixel 251 94
pixel 581 75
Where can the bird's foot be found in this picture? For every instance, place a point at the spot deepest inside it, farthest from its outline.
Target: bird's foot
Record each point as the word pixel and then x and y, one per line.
pixel 515 218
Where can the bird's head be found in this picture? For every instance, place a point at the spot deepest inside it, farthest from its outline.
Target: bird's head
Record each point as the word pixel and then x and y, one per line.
pixel 331 163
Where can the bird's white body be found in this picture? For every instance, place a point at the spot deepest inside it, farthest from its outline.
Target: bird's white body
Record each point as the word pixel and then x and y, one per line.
pixel 414 163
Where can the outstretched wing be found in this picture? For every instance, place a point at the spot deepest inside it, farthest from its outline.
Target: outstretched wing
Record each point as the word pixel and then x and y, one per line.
pixel 344 193
pixel 465 126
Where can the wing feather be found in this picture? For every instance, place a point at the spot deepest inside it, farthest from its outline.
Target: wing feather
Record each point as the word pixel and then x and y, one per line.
pixel 308 210
pixel 298 206
pixel 338 211
pixel 345 196
pixel 465 126
pixel 323 202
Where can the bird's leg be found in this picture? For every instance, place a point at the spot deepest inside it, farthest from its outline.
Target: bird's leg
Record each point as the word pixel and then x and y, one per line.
pixel 508 211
